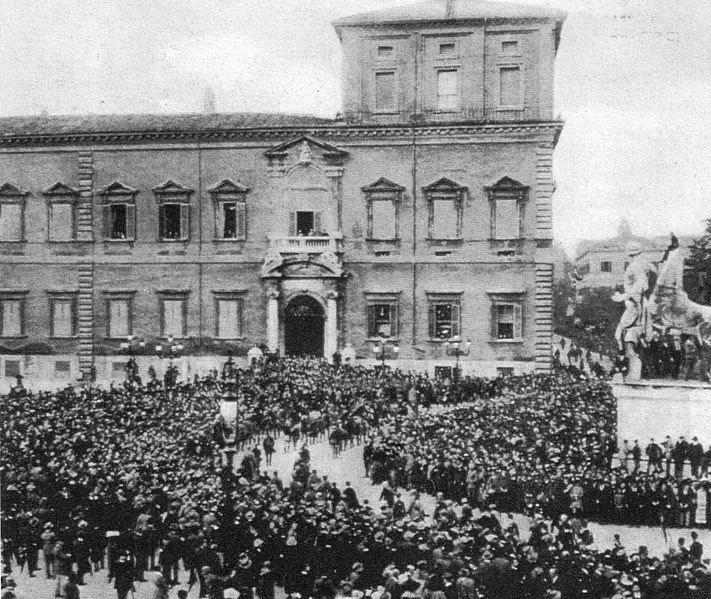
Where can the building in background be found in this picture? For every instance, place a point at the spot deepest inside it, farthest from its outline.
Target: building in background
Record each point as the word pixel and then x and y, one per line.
pixel 421 214
pixel 602 263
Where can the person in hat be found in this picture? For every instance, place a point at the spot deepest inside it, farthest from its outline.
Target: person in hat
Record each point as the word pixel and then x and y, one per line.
pixel 161 588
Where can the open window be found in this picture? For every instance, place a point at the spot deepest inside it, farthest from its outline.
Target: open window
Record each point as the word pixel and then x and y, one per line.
pixel 230 205
pixel 506 316
pixel 119 211
pixel 444 315
pixel 173 211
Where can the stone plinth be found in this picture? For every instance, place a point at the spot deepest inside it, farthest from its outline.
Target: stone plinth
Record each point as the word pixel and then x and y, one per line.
pixel 658 408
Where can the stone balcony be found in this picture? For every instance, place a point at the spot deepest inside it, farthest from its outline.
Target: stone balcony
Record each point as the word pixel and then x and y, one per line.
pixel 312 244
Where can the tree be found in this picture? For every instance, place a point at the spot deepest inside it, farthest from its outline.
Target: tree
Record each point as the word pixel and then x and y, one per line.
pixel 698 274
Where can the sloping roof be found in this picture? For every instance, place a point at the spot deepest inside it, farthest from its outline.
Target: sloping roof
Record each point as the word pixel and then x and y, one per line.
pixel 125 123
pixel 454 10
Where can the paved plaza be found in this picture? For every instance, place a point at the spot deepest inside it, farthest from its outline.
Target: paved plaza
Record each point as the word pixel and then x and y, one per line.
pixel 348 466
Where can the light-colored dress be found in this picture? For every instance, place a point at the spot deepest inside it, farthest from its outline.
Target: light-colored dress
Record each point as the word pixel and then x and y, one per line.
pixel 701 500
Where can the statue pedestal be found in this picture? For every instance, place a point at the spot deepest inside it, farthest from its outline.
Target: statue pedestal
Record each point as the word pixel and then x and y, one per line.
pixel 657 408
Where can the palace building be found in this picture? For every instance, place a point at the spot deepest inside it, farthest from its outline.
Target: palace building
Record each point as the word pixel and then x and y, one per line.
pixel 420 214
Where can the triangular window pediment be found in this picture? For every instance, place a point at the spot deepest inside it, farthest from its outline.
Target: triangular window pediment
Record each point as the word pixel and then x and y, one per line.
pixel 118 188
pixel 383 185
pixel 444 185
pixel 506 184
pixel 228 187
pixel 172 188
pixel 60 189
pixel 8 190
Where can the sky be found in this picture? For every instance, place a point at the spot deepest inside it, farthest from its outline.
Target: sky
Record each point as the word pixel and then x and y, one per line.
pixel 633 83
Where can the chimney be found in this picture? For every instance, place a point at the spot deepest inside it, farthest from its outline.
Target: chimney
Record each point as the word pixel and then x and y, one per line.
pixel 208 102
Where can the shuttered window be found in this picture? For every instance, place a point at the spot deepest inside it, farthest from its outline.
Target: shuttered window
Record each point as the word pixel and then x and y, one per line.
pixel 507 320
pixel 62 317
pixel 383 220
pixel 11 321
pixel 119 221
pixel 61 221
pixel 510 86
pixel 119 318
pixel 174 221
pixel 447 92
pixel 231 220
pixel 11 228
pixel 385 92
pixel 383 319
pixel 173 317
pixel 229 318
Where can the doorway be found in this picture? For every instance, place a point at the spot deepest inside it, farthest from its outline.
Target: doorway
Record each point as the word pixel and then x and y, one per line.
pixel 303 327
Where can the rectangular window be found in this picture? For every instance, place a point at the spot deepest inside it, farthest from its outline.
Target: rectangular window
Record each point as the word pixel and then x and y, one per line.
pixel 119 318
pixel 12 368
pixel 62 369
pixel 231 220
pixel 383 219
pixel 61 221
pixel 62 317
pixel 173 317
pixel 11 222
pixel 507 321
pixel 385 92
pixel 507 220
pixel 229 318
pixel 118 370
pixel 119 221
pixel 174 221
pixel 605 266
pixel 509 47
pixel 382 320
pixel 11 324
pixel 447 96
pixel 445 219
pixel 510 86
pixel 385 51
pixel 447 49
pixel 305 223
pixel 444 319
pixel 504 371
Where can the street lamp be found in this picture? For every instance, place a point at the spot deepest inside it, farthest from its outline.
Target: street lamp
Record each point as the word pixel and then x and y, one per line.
pixel 456 347
pixel 379 349
pixel 229 408
pixel 131 346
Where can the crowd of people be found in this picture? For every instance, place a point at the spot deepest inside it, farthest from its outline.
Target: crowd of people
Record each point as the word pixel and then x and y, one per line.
pixel 131 479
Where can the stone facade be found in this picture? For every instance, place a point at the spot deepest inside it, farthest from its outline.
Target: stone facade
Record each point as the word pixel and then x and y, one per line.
pixel 438 217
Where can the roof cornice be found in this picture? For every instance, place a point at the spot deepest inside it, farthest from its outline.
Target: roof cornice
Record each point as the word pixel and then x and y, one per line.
pixel 337 132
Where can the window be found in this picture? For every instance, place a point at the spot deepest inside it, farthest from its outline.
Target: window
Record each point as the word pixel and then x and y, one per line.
pixel 584 269
pixel 444 315
pixel 62 369
pixel 228 314
pixel 173 211
pixel 305 223
pixel 382 318
pixel 12 213
pixel 61 212
pixel 119 212
pixel 447 96
pixel 445 200
pixel 509 47
pixel 173 313
pixel 12 312
pixel 385 92
pixel 383 200
pixel 62 309
pixel 605 266
pixel 443 372
pixel 510 87
pixel 506 316
pixel 12 369
pixel 119 312
pixel 448 49
pixel 507 200
pixel 385 51
pixel 504 371
pixel 229 200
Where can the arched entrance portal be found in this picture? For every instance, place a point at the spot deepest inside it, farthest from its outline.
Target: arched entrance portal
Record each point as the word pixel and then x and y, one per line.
pixel 303 327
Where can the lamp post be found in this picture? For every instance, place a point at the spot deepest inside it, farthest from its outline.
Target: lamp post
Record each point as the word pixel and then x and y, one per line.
pixel 229 409
pixel 170 349
pixel 379 349
pixel 456 347
pixel 131 346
